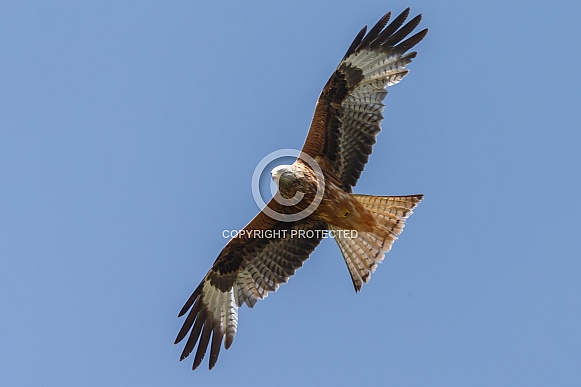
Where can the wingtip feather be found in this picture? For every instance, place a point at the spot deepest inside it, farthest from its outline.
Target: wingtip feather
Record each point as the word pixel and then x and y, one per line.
pixel 228 342
pixel 202 346
pixel 215 346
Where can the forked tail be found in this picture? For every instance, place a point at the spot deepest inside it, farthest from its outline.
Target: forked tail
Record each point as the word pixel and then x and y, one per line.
pixel 363 252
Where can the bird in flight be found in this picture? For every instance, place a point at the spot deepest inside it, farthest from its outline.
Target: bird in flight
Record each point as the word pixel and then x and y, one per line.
pixel 281 237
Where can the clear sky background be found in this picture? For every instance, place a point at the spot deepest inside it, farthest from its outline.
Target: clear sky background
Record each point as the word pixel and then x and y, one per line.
pixel 128 137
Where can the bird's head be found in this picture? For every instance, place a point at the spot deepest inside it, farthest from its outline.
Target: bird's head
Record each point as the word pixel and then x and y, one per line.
pixel 281 170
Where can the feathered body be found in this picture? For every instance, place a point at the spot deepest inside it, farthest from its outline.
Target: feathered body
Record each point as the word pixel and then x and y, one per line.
pixel 337 207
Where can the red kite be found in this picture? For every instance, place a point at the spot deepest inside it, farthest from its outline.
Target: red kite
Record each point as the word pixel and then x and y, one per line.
pixel 271 248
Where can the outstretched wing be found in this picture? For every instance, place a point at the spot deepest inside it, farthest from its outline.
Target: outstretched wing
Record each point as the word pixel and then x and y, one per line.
pixel 349 110
pixel 263 256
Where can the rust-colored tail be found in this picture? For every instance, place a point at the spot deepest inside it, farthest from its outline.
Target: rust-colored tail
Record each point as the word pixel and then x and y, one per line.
pixel 364 250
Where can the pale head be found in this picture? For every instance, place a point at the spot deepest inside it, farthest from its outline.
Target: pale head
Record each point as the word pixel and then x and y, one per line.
pixel 277 172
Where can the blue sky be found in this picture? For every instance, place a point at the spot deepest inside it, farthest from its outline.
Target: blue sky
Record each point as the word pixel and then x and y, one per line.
pixel 128 138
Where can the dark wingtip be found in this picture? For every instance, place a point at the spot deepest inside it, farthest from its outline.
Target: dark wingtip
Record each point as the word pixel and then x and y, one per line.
pixel 356 42
pixel 385 19
pixel 180 336
pixel 187 306
pixel 202 346
pixel 213 361
pixel 228 342
pixel 191 300
pixel 198 359
pixel 185 354
pixel 377 28
pixel 403 16
pixel 412 41
pixel 215 346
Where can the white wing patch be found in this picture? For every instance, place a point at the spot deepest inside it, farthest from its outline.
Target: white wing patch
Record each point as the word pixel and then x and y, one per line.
pixel 223 309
